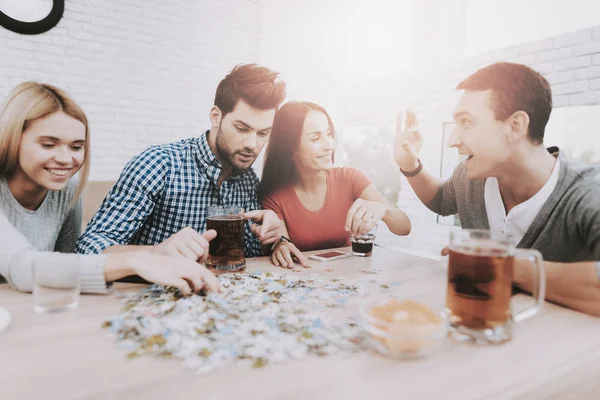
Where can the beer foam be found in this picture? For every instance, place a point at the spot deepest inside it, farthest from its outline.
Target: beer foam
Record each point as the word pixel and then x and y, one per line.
pixel 481 249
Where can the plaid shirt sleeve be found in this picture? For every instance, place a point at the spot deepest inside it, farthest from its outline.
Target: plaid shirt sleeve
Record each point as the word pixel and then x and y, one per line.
pixel 128 204
pixel 252 246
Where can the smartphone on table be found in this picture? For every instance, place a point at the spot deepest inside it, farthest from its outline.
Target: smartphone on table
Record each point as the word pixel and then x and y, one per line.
pixel 330 256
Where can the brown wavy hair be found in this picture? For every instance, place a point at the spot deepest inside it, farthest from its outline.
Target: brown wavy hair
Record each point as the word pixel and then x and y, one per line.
pixel 258 86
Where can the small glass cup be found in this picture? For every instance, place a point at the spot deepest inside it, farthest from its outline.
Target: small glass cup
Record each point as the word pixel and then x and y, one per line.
pixel 362 245
pixel 56 283
pixel 226 251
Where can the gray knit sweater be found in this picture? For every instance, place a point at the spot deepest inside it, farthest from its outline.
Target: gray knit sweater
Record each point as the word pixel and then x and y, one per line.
pixel 27 236
pixel 567 228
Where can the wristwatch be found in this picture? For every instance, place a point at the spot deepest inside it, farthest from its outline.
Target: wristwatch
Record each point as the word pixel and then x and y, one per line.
pixel 282 239
pixel 415 172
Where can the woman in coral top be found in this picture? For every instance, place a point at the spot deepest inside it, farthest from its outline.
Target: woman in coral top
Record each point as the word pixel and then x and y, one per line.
pixel 319 205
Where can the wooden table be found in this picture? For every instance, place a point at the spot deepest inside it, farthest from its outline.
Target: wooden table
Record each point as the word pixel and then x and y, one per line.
pixel 555 354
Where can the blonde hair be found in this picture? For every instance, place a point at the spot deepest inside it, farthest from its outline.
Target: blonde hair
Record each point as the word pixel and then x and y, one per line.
pixel 27 103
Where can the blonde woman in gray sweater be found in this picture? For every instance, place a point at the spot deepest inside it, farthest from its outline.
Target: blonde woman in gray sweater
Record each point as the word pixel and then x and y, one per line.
pixel 44 142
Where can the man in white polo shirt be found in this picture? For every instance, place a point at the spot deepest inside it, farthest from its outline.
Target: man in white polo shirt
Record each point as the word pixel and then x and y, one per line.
pixel 509 182
pixel 520 217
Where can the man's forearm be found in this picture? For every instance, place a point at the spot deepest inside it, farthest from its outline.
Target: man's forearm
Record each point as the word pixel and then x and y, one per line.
pixel 574 285
pixel 425 185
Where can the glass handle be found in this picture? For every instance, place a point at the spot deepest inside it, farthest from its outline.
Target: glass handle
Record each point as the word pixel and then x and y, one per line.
pixel 539 292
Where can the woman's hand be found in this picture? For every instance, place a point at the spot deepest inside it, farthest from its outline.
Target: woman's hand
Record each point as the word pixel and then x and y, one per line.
pixel 364 215
pixel 284 253
pixel 186 275
pixel 186 243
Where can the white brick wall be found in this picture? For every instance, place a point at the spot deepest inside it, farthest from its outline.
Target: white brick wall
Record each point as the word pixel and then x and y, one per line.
pixel 145 71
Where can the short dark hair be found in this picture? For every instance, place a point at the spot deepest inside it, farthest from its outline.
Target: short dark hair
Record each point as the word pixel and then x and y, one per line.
pixel 279 169
pixel 515 87
pixel 258 86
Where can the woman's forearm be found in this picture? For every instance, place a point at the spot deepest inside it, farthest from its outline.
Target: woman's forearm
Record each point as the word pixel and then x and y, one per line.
pixel 397 221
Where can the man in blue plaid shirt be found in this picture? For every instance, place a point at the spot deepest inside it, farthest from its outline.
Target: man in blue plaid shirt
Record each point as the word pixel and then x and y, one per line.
pixel 162 196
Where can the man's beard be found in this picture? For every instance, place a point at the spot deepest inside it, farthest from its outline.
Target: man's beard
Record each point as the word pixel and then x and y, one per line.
pixel 228 156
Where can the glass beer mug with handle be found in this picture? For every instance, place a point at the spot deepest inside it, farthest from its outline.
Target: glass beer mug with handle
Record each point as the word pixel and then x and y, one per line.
pixel 479 293
pixel 226 251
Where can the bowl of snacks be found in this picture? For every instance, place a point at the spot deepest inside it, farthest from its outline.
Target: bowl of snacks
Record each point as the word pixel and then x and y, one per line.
pixel 403 328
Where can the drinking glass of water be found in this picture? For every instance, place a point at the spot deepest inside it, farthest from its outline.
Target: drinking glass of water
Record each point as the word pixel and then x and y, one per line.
pixel 56 283
pixel 4 319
